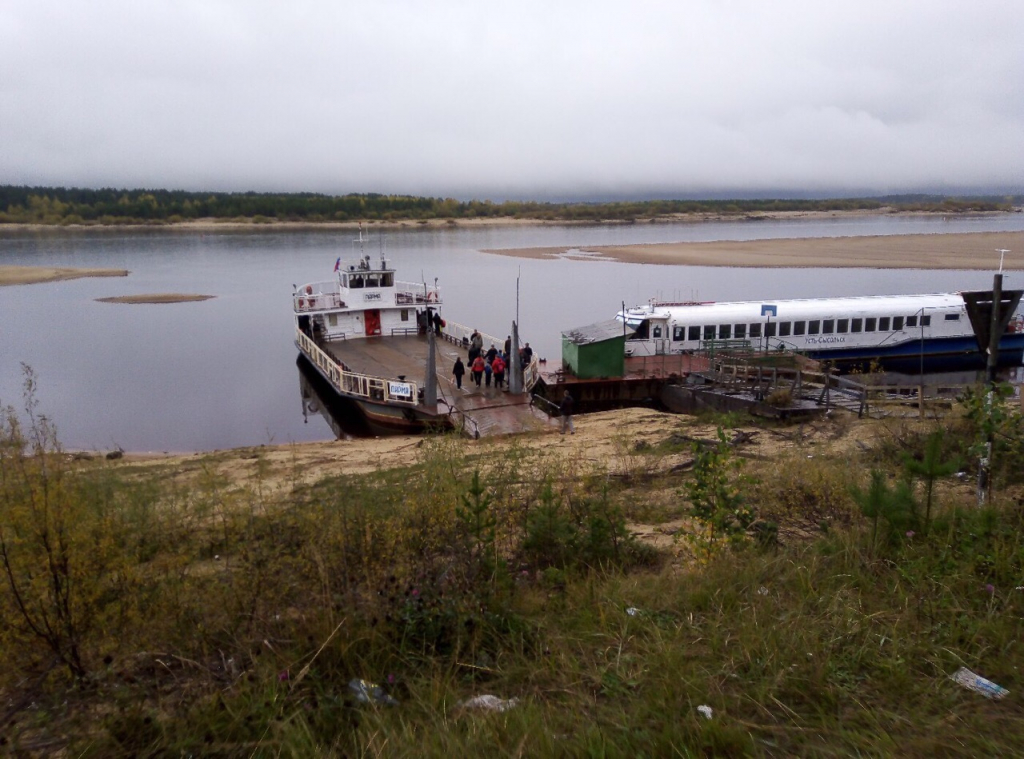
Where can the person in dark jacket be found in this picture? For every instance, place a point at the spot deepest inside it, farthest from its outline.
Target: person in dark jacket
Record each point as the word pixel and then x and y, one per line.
pixel 457 371
pixel 566 408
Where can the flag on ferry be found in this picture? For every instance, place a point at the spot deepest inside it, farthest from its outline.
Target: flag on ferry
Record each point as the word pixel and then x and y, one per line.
pixel 337 264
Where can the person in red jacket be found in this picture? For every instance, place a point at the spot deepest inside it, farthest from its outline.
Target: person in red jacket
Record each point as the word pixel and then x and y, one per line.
pixel 478 369
pixel 498 367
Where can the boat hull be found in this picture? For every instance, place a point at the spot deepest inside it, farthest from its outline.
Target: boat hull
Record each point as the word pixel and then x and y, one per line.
pixel 381 417
pixel 949 354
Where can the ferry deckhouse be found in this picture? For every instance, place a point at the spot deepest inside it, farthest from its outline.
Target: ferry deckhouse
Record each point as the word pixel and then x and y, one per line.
pixel 896 331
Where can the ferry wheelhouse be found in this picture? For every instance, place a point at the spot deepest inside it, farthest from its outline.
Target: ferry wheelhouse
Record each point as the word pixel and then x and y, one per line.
pixel 899 331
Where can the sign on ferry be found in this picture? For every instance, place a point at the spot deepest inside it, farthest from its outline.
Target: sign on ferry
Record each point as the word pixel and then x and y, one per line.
pixel 400 389
pixel 371 296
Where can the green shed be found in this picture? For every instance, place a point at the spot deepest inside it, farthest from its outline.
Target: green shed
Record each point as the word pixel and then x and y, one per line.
pixel 597 350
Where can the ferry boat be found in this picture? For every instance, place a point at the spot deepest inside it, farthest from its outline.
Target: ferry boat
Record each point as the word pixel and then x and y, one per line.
pixel 377 342
pixel 366 333
pixel 899 332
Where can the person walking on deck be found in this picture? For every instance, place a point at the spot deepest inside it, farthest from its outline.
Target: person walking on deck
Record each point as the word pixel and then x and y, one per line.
pixel 498 366
pixel 476 344
pixel 478 369
pixel 458 370
pixel 566 408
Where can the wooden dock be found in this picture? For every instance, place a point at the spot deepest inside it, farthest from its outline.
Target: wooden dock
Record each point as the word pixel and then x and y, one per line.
pixel 479 412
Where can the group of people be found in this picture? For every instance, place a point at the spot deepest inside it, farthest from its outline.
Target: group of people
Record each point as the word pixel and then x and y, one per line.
pixel 483 366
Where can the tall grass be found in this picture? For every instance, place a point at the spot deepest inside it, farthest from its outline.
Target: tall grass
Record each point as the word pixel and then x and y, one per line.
pixel 227 620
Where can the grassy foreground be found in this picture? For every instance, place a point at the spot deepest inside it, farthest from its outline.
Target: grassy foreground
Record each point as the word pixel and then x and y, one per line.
pixel 816 608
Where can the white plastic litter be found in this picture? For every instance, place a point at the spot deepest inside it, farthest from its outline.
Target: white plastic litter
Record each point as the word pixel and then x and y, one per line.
pixel 490 703
pixel 762 591
pixel 370 693
pixel 633 611
pixel 977 683
pixel 706 710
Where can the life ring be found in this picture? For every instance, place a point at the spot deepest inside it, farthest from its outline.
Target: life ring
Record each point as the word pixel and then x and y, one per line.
pixel 432 296
pixel 302 302
pixel 309 290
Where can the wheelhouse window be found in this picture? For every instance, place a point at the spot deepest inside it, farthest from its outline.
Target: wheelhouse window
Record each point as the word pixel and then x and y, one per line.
pixel 843 326
pixel 709 331
pixel 870 324
pixel 883 324
pixel 678 334
pixel 694 334
pixel 856 325
pixel 897 323
pixel 755 330
pixel 724 331
pixel 799 328
pixel 387 279
pixel 739 331
pixel 784 328
pixel 828 327
pixel 814 326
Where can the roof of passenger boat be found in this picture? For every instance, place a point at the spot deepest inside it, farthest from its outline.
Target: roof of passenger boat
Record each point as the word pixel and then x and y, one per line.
pixel 905 305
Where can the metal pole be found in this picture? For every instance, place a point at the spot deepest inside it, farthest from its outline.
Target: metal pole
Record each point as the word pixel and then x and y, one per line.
pixel 992 360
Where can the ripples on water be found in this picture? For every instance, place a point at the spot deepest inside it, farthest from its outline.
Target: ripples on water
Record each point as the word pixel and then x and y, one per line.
pixel 222 373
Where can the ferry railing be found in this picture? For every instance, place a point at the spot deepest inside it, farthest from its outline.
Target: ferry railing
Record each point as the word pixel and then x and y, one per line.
pixel 414 293
pixel 360 385
pixel 315 301
pixel 460 334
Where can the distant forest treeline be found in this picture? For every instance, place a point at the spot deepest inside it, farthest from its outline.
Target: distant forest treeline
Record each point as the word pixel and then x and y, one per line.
pixel 63 206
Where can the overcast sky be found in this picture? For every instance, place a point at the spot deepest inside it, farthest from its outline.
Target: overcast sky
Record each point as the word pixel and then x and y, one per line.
pixel 514 99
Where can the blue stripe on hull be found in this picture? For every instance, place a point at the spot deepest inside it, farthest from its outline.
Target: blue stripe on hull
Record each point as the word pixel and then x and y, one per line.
pixel 938 354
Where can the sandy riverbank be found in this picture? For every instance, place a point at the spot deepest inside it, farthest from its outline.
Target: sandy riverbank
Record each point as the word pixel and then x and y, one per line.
pixel 276 225
pixel 32 275
pixel 923 251
pixel 156 298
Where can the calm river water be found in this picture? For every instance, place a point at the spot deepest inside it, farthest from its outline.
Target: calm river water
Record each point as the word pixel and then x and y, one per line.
pixel 222 373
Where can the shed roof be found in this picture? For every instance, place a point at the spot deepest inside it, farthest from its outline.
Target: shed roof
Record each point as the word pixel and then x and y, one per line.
pixel 597 332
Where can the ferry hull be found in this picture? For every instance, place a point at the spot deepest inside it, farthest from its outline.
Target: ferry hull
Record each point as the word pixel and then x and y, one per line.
pixel 383 418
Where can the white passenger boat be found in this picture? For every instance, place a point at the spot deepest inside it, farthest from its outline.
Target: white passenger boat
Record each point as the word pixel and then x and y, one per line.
pixel 896 331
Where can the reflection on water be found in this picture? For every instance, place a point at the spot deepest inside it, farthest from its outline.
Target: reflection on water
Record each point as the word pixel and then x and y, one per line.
pixel 319 399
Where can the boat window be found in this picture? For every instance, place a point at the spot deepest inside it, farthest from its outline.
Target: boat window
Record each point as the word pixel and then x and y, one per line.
pixel 332 320
pixel 372 280
pixel 926 320
pixel 828 327
pixel 656 331
pixel 724 331
pixel 870 324
pixel 709 331
pixel 799 328
pixel 911 321
pixel 883 324
pixel 814 327
pixel 769 329
pixel 739 331
pixel 784 328
pixel 405 314
pixel 952 317
pixel 843 325
pixel 387 279
pixel 755 330
pixel 693 334
pixel 678 334
pixel 897 323
pixel 344 280
pixel 357 281
pixel 856 325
